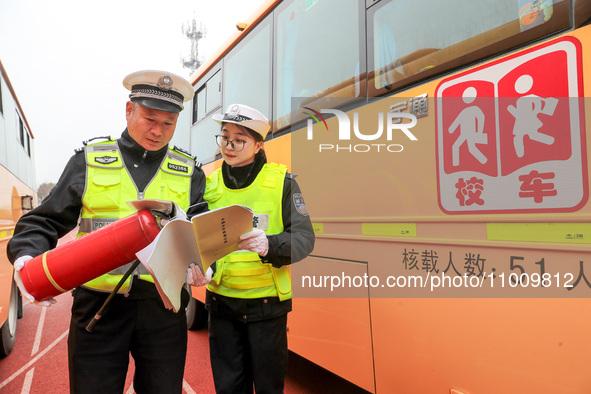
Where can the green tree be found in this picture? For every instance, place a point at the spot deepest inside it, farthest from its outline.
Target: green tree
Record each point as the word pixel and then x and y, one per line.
pixel 44 190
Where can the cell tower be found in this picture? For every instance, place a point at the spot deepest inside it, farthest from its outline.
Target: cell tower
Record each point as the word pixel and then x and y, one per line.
pixel 194 34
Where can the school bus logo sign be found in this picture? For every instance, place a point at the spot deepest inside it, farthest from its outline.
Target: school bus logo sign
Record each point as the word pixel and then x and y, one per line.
pixel 511 134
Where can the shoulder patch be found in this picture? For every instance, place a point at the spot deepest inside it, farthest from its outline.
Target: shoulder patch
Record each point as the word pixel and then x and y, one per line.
pixel 299 203
pixel 181 150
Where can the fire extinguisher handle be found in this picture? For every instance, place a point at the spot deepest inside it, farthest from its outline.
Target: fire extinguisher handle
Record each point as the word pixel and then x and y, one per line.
pixel 99 314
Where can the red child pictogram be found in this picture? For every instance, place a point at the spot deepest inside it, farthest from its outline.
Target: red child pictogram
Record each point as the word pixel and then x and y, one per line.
pixel 513 125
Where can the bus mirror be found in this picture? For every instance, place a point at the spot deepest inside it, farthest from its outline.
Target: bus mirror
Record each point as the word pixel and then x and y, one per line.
pixel 27 202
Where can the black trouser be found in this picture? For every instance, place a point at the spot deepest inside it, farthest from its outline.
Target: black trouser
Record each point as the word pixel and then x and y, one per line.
pixel 246 353
pixel 138 324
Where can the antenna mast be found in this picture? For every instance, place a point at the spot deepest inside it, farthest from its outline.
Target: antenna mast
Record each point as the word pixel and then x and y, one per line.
pixel 194 34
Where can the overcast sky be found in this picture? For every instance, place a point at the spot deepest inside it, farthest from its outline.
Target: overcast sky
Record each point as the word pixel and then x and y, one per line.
pixel 67 59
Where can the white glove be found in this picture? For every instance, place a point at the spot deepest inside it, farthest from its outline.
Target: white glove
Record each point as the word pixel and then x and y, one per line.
pixel 177 213
pixel 18 266
pixel 195 277
pixel 255 241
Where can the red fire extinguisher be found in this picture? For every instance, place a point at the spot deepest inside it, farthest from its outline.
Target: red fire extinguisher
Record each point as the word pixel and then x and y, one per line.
pixel 88 257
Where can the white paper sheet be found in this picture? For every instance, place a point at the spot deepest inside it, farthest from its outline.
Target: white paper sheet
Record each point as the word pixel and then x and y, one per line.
pixel 207 238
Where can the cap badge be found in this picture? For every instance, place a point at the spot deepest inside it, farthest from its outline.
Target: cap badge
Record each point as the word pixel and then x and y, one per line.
pixel 235 110
pixel 165 82
pixel 233 114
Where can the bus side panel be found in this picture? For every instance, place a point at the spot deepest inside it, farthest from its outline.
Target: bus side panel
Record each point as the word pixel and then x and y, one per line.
pixel 477 344
pixel 487 332
pixel 481 346
pixel 333 331
pixel 335 334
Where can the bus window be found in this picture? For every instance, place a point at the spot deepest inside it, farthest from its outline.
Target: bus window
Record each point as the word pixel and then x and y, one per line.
pixel 415 39
pixel 213 98
pixel 247 71
pixel 1 107
pixel 207 100
pixel 21 130
pixel 317 52
pixel 203 140
pixel 199 105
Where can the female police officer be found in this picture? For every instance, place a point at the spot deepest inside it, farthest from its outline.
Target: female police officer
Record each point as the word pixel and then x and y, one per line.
pixel 249 295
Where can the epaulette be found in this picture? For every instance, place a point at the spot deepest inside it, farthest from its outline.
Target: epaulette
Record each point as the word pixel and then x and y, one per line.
pixel 290 176
pixel 84 143
pixel 108 138
pixel 181 150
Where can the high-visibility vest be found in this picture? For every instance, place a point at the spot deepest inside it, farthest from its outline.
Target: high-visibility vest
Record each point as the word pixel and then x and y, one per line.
pixel 109 187
pixel 242 274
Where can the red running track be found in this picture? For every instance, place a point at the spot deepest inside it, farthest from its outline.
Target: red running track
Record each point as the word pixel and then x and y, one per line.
pixel 38 363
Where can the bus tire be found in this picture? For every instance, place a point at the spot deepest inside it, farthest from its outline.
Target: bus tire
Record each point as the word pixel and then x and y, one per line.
pixel 196 314
pixel 8 329
pixel 20 305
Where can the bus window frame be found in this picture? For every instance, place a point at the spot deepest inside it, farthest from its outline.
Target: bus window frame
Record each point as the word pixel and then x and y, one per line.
pixel 220 66
pixel 362 61
pixel 217 67
pixel 195 114
pixel 1 102
pixel 366 10
pixel 464 60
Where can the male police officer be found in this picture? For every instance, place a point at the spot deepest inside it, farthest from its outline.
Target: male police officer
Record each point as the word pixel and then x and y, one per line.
pixel 96 187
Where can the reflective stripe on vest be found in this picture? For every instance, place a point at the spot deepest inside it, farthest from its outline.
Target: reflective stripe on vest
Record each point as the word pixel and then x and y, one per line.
pixel 242 274
pixel 109 187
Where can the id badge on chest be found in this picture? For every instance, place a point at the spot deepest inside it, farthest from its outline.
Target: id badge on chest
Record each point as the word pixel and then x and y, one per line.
pixel 260 221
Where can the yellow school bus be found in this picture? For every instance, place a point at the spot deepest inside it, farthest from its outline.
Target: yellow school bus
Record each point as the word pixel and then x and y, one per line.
pixel 17 179
pixel 441 147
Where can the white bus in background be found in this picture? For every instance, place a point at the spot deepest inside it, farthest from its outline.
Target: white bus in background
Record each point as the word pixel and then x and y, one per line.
pixel 17 196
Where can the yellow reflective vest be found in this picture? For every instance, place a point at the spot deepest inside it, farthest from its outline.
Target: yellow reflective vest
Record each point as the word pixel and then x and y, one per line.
pixel 109 187
pixel 242 274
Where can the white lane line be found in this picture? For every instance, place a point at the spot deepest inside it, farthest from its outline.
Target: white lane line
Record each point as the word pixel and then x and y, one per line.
pixel 188 388
pixel 36 343
pixel 39 332
pixel 28 381
pixel 34 360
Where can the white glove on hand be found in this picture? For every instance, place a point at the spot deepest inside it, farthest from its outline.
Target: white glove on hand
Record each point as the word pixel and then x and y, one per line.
pixel 18 266
pixel 195 276
pixel 255 241
pixel 177 213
